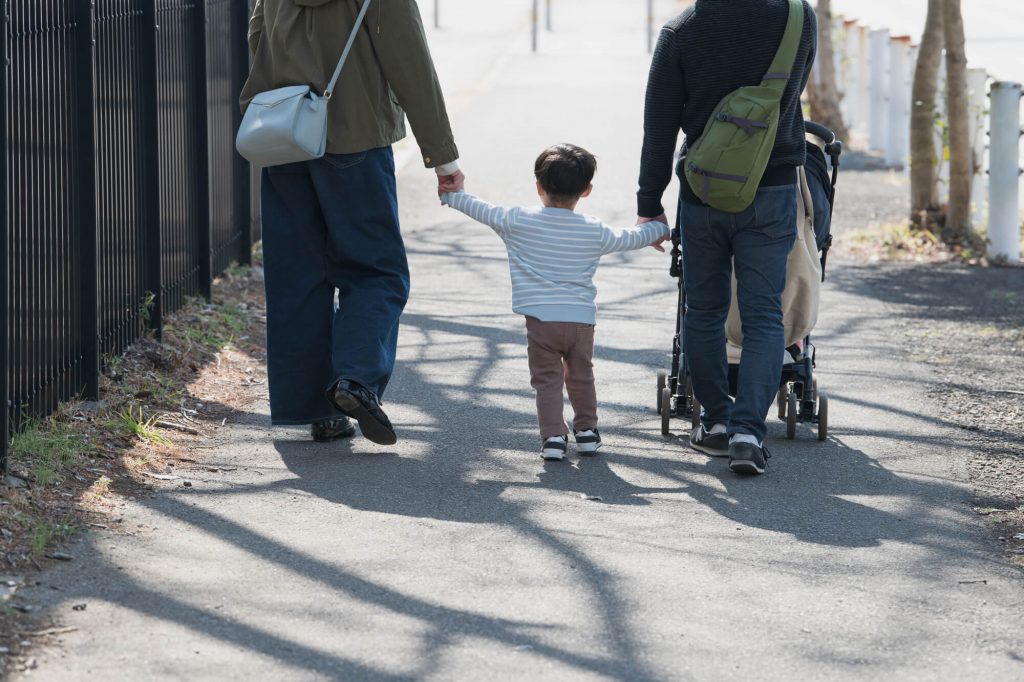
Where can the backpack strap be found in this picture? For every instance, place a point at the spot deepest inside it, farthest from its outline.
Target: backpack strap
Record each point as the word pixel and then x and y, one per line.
pixel 785 58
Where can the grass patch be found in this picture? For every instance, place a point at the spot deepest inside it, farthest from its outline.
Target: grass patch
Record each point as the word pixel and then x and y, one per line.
pixel 48 448
pixel 906 242
pixel 142 428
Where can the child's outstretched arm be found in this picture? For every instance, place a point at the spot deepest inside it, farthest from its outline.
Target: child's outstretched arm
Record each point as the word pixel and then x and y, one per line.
pixel 497 218
pixel 634 237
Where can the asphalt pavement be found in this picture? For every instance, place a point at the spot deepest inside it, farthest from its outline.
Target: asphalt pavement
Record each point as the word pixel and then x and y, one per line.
pixel 459 555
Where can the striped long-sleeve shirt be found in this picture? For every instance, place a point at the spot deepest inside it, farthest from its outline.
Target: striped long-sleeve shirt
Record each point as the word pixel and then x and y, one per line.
pixel 553 254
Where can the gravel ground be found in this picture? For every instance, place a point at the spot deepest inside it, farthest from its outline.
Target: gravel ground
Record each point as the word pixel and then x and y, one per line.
pixel 966 324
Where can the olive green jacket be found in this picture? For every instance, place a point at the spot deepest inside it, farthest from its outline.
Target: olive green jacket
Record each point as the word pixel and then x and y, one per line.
pixel 389 73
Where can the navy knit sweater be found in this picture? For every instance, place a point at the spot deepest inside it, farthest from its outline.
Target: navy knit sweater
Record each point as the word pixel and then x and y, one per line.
pixel 711 49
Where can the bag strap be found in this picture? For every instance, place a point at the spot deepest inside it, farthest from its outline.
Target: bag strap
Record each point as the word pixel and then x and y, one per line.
pixel 348 48
pixel 785 58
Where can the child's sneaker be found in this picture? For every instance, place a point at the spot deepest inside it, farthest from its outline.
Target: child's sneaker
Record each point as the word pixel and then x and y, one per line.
pixel 587 442
pixel 554 448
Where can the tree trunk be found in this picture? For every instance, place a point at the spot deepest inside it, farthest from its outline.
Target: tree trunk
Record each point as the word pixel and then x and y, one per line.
pixel 822 92
pixel 961 165
pixel 924 184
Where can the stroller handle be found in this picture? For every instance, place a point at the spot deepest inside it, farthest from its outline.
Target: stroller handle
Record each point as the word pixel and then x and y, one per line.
pixel 833 147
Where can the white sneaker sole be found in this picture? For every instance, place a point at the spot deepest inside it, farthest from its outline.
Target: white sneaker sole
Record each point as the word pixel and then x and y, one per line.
pixel 552 455
pixel 588 448
pixel 709 451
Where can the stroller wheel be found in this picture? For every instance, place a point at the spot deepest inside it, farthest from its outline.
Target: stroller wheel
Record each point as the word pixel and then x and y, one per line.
pixel 822 416
pixel 783 397
pixel 666 411
pixel 661 388
pixel 792 412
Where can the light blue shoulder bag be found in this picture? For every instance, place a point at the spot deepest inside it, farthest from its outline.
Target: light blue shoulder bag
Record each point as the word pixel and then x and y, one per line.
pixel 289 124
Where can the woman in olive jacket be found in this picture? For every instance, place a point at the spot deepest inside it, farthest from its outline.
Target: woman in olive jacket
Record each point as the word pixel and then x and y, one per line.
pixel 331 225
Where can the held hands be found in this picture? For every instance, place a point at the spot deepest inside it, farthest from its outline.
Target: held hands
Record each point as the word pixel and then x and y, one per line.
pixel 657 246
pixel 455 182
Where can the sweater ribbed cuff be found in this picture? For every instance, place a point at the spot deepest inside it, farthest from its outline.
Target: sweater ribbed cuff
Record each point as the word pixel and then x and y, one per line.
pixel 646 207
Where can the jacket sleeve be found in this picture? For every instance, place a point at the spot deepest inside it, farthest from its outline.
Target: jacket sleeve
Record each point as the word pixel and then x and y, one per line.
pixel 497 218
pixel 633 238
pixel 401 46
pixel 256 26
pixel 663 115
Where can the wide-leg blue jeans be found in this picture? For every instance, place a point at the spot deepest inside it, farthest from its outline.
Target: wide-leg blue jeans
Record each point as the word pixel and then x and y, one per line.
pixel 331 226
pixel 758 241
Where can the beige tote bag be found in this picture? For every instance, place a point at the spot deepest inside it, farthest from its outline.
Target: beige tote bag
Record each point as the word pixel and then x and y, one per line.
pixel 803 279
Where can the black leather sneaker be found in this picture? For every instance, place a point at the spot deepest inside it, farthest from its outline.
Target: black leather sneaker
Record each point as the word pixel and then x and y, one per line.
pixel 362 404
pixel 332 429
pixel 747 458
pixel 714 444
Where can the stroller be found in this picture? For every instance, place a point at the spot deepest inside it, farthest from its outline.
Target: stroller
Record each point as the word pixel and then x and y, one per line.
pixel 799 400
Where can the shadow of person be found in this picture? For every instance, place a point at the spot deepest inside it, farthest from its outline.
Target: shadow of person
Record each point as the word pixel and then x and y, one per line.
pixel 832 494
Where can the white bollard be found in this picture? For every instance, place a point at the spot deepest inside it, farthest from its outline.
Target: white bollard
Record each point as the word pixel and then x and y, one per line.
pixel 850 66
pixel 1004 173
pixel 977 98
pixel 915 50
pixel 898 151
pixel 863 78
pixel 942 134
pixel 878 114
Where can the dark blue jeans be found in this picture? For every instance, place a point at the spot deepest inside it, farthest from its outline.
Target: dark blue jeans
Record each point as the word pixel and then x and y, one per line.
pixel 758 241
pixel 331 225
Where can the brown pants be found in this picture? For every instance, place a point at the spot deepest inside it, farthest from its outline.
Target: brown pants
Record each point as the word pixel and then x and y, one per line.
pixel 562 353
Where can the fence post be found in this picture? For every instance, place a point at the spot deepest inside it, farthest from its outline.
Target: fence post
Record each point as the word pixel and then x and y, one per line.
pixel 5 402
pixel 243 177
pixel 900 95
pixel 849 65
pixel 534 21
pixel 650 26
pixel 878 116
pixel 977 87
pixel 88 285
pixel 201 94
pixel 863 78
pixel 1004 173
pixel 151 143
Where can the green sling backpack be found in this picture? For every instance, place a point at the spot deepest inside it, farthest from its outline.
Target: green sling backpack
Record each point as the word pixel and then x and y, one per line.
pixel 725 165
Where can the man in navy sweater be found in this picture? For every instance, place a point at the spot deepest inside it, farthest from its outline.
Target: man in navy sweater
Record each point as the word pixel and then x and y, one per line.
pixel 711 49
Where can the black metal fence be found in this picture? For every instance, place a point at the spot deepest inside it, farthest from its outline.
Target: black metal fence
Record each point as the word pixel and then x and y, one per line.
pixel 121 194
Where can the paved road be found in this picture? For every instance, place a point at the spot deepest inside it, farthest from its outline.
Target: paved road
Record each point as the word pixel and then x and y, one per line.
pixel 458 554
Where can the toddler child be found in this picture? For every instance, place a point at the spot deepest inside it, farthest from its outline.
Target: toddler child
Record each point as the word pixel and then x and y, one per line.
pixel 553 253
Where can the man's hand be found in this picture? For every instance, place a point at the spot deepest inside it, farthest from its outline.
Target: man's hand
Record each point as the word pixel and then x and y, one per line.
pixel 455 182
pixel 657 246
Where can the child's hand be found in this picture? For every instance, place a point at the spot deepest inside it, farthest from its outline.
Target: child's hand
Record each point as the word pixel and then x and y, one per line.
pixel 657 246
pixel 455 182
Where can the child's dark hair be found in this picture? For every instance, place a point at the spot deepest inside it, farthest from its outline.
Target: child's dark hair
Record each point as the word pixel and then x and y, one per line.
pixel 565 171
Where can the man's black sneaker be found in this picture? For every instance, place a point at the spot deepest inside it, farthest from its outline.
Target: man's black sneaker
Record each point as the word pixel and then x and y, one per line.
pixel 714 444
pixel 362 404
pixel 332 429
pixel 554 448
pixel 587 442
pixel 747 458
